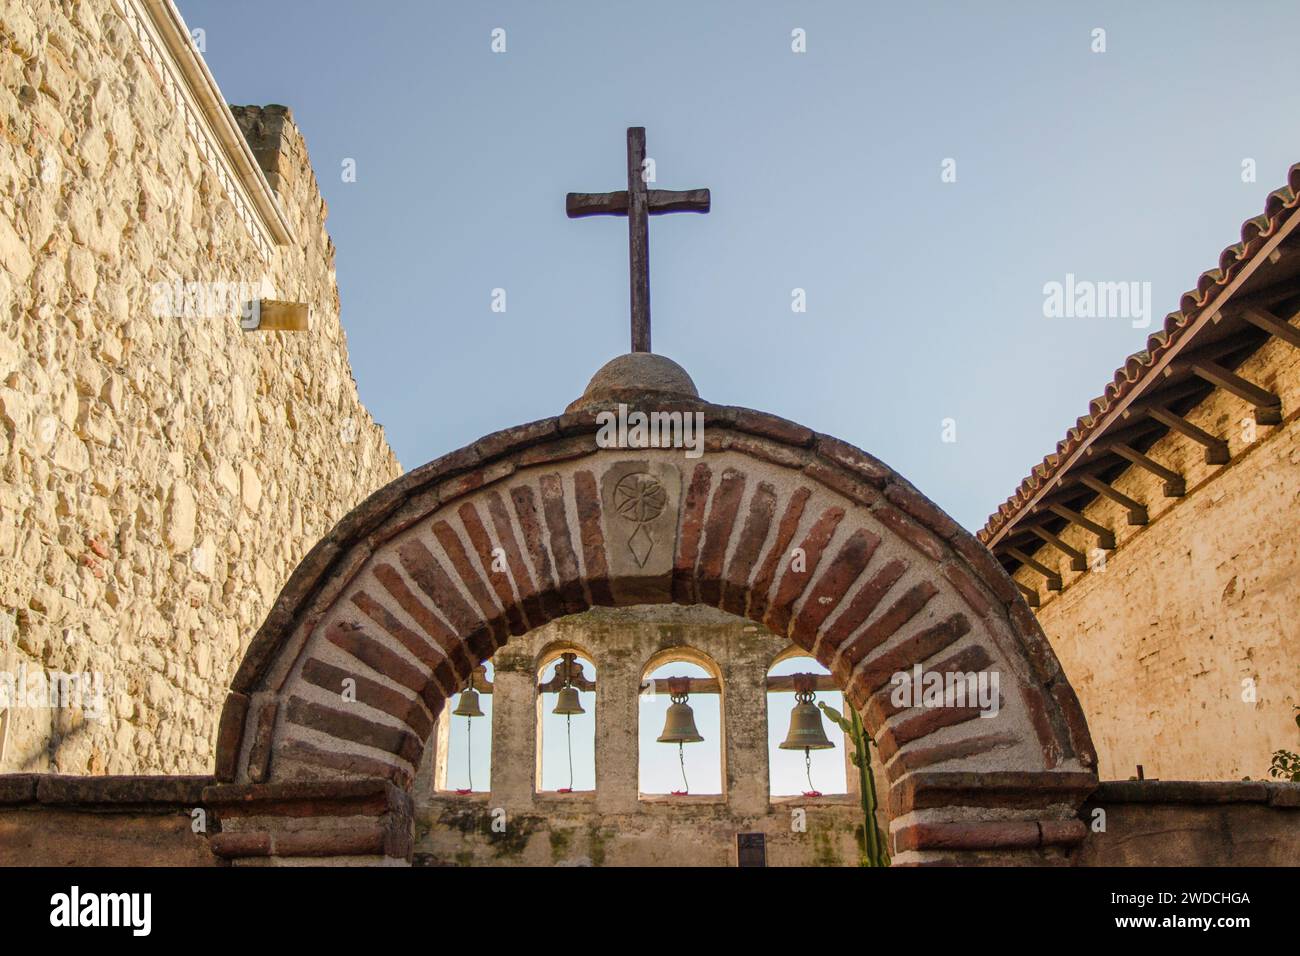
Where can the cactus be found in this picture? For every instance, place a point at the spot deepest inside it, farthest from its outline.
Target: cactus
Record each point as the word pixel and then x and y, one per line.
pixel 874 852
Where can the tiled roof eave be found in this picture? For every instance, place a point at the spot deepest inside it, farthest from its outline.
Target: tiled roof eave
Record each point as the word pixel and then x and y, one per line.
pixel 1259 237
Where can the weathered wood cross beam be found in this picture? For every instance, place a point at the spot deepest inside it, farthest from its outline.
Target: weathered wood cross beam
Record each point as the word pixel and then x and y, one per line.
pixel 637 203
pixel 778 683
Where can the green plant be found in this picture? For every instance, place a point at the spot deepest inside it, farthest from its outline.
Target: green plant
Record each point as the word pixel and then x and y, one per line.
pixel 1286 764
pixel 874 852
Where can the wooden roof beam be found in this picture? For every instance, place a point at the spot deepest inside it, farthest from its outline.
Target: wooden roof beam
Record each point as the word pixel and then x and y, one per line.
pixel 1071 486
pixel 1105 536
pixel 1270 323
pixel 1268 407
pixel 1078 560
pixel 1137 512
pixel 1053 578
pixel 1175 486
pixel 1030 595
pixel 1216 449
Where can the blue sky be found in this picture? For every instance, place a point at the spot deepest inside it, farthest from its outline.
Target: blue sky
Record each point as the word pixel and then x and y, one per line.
pixel 925 298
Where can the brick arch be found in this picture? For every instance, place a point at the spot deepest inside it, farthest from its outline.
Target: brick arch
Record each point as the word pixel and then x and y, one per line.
pixel 435 572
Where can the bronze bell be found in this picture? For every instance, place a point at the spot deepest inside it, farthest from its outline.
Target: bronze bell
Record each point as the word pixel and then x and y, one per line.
pixel 806 730
pixel 679 723
pixel 467 706
pixel 566 702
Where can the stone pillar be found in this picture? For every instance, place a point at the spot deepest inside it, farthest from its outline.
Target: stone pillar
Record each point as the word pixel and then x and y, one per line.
pixel 440 745
pixel 744 718
pixel 617 711
pixel 514 730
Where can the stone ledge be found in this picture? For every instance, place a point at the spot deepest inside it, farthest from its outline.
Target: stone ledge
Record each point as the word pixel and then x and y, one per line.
pixel 1273 793
pixel 924 789
pixel 821 800
pixel 114 791
pixel 681 800
pixel 257 797
pixel 366 840
pixel 990 835
pixel 555 796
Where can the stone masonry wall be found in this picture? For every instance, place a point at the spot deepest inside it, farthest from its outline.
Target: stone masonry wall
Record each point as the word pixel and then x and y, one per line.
pixel 160 476
pixel 1204 597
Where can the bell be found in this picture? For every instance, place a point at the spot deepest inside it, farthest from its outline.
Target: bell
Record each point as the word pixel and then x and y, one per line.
pixel 806 731
pixel 566 702
pixel 679 723
pixel 467 706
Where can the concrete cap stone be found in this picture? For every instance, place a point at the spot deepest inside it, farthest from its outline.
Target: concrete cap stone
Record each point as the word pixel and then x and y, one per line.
pixel 637 374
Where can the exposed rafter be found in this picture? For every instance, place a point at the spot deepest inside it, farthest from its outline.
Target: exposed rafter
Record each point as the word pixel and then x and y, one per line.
pixel 1270 323
pixel 1053 578
pixel 1105 536
pixel 1137 512
pixel 1175 486
pixel 1216 449
pixel 1268 407
pixel 1078 560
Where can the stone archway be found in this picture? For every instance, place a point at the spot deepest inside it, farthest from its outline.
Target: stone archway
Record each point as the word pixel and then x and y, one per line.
pixel 436 571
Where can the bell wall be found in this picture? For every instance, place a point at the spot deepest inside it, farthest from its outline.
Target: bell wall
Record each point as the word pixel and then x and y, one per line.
pixel 615 824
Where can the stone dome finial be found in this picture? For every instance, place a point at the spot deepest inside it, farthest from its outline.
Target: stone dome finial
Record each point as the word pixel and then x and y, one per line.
pixel 637 375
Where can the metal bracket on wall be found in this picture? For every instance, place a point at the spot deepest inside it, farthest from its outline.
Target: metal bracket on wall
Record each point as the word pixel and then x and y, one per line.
pixel 270 315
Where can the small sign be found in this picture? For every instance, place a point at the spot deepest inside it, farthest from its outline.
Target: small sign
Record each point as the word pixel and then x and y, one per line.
pixel 751 849
pixel 269 315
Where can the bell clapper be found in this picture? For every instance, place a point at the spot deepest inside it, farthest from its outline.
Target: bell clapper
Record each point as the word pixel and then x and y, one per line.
pixel 807 767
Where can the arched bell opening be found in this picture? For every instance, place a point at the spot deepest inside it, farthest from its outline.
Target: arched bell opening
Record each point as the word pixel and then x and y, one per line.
pixel 566 721
pixel 808 752
pixel 681 730
pixel 462 762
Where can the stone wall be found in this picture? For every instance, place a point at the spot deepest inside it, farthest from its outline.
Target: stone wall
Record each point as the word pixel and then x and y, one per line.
pixel 1157 645
pixel 160 473
pixel 1180 823
pixel 615 824
pixel 52 820
pixel 61 820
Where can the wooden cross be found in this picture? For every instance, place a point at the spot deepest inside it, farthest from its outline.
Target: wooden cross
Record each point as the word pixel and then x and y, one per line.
pixel 636 202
